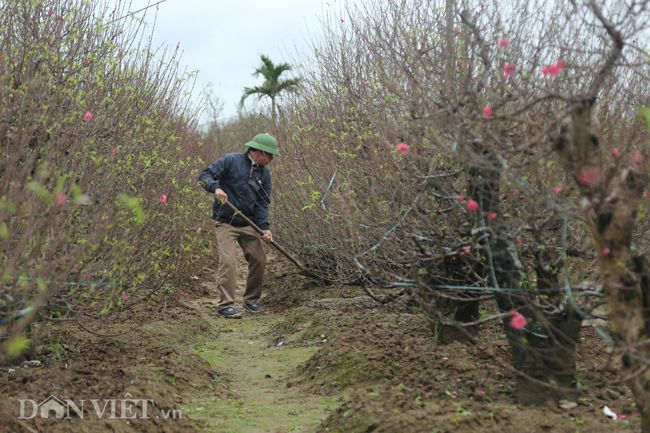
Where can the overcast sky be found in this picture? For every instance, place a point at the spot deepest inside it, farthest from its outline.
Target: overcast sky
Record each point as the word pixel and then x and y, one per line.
pixel 223 39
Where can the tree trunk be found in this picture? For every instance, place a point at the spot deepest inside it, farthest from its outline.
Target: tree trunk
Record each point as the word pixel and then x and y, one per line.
pixel 546 352
pixel 545 349
pixel 627 288
pixel 273 116
pixel 611 216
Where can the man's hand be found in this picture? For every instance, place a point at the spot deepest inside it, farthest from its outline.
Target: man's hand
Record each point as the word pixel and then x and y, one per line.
pixel 221 196
pixel 268 236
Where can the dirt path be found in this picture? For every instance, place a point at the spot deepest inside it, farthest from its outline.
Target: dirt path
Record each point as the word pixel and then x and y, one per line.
pixel 262 396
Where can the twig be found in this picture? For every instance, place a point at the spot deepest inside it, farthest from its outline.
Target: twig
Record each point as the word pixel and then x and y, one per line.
pixel 477 322
pixel 110 335
pixel 617 50
pixel 628 377
pixel 383 299
pixel 26 427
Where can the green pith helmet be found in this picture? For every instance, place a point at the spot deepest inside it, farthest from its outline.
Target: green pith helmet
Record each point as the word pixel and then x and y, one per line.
pixel 264 142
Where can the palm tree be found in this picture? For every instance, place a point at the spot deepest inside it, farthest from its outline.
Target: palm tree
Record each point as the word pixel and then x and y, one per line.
pixel 272 85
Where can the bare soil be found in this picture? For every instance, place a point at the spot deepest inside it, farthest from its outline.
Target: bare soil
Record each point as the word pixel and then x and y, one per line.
pixel 345 364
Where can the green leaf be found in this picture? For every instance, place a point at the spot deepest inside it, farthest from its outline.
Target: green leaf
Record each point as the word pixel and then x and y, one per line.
pixel 133 203
pixel 38 188
pixel 78 197
pixel 18 345
pixel 644 113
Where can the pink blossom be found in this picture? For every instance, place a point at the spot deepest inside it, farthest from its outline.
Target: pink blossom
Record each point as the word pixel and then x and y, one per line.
pixel 365 83
pixel 462 253
pixel 481 393
pixel 163 198
pixel 645 193
pixel 493 216
pixel 60 198
pixel 342 20
pixel 2 56
pixel 468 251
pixel 88 116
pixel 518 321
pixel 512 313
pixel 76 266
pixel 509 70
pixel 589 176
pixel 514 191
pixel 553 70
pixel 606 251
pixel 178 46
pixel 519 241
pixel 560 65
pixel 620 417
pixel 113 150
pixel 460 198
pixel 472 205
pixel 125 296
pixel 402 148
pixel 92 184
pixel 52 12
pixel 637 158
pixel 86 62
pixel 504 43
pixel 545 71
pixel 485 86
pixel 557 189
pixel 100 290
pixel 615 153
pixel 487 111
pixel 454 392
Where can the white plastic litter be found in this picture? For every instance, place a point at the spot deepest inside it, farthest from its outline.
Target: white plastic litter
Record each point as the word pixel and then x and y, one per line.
pixel 608 412
pixel 279 344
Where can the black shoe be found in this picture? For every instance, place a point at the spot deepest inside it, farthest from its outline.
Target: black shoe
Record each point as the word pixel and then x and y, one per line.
pixel 253 308
pixel 229 313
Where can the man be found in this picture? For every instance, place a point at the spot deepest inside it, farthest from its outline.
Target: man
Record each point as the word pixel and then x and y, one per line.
pixel 243 180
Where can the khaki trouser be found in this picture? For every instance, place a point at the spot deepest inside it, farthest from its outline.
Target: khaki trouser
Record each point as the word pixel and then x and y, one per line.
pixel 251 243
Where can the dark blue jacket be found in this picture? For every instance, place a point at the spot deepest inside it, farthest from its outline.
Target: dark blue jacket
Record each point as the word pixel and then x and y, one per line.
pixel 248 187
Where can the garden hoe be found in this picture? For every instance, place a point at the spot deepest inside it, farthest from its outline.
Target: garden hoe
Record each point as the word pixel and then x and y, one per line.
pixel 303 271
